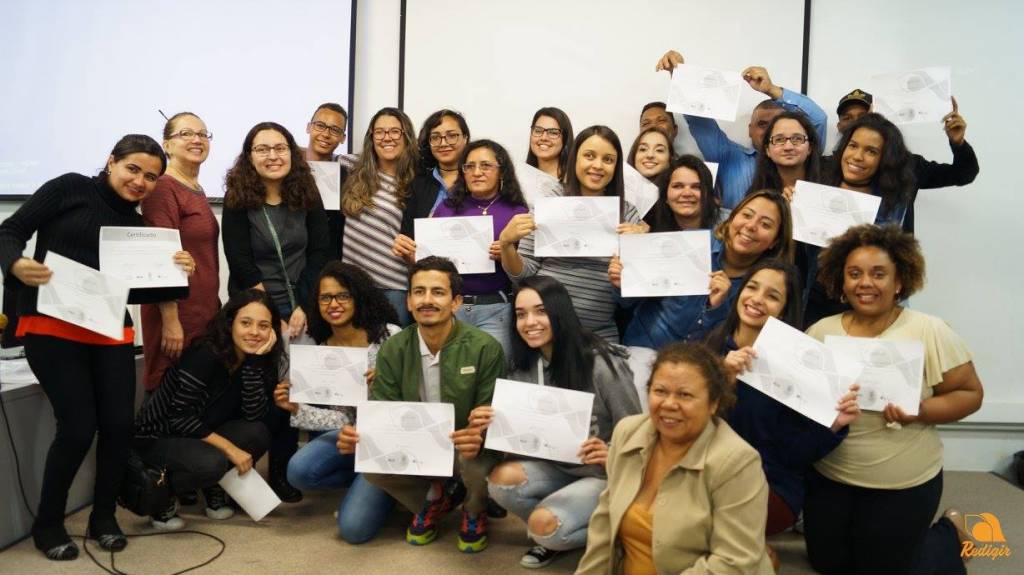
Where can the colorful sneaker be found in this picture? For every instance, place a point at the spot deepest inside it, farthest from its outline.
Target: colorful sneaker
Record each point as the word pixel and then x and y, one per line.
pixel 423 528
pixel 473 532
pixel 539 556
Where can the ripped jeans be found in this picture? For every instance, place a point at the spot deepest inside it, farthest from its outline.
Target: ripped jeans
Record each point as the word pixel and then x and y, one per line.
pixel 569 498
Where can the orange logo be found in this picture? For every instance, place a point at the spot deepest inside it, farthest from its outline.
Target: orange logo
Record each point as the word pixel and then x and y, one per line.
pixel 987 535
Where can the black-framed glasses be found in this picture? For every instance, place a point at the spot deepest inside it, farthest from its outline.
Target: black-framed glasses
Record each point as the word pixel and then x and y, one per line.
pixel 780 140
pixel 340 297
pixel 393 133
pixel 264 150
pixel 551 132
pixel 485 167
pixel 450 138
pixel 189 134
pixel 335 131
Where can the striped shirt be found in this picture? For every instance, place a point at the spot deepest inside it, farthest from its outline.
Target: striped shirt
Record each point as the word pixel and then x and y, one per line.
pixel 368 236
pixel 586 280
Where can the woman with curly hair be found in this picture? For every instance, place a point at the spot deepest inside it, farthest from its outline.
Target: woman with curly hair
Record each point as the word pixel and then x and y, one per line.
pixel 486 186
pixel 870 501
pixel 353 313
pixel 275 239
pixel 373 199
pixel 686 198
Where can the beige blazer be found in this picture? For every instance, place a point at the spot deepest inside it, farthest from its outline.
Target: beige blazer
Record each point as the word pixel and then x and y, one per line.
pixel 710 511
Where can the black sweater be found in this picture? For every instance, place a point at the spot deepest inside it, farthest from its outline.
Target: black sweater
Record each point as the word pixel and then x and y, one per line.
pixel 422 195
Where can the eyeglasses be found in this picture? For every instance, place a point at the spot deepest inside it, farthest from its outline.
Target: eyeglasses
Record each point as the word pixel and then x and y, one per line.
pixel 780 140
pixel 340 297
pixel 485 167
pixel 335 131
pixel 551 132
pixel 264 150
pixel 189 134
pixel 393 133
pixel 449 138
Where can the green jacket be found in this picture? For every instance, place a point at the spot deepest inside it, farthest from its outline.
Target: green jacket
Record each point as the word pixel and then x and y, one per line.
pixel 470 362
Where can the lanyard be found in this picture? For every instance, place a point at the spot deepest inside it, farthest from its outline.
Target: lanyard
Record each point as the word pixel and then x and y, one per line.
pixel 280 257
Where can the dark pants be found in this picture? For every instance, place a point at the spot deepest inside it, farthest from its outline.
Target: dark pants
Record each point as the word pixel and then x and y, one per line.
pixel 195 464
pixel 856 530
pixel 91 388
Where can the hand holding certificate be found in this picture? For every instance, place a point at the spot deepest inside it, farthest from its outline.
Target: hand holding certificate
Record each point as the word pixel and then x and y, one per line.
pixel 464 240
pixel 891 371
pixel 83 296
pixel 665 264
pixel 406 438
pixel 821 213
pixel 327 375
pixel 705 92
pixel 143 257
pixel 576 226
pixel 539 421
pixel 328 181
pixel 914 97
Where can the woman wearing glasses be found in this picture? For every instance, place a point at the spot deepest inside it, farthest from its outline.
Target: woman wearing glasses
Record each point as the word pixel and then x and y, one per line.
pixel 373 199
pixel 275 239
pixel 179 202
pixel 550 142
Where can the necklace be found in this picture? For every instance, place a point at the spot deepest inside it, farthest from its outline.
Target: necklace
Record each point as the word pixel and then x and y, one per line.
pixel 485 208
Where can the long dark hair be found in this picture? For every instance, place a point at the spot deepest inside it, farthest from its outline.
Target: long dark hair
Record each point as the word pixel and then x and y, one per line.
pixel 574 347
pixel 245 190
pixel 631 156
pixel 662 219
pixel 427 160
pixel 616 187
pixel 218 331
pixel 508 185
pixel 562 119
pixel 767 173
pixel 792 312
pixel 136 144
pixel 372 310
pixel 894 178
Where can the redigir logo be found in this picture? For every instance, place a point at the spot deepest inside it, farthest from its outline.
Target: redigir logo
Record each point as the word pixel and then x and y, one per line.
pixel 987 534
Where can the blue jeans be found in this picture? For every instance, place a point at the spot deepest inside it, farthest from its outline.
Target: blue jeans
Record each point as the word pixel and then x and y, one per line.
pixel 319 466
pixel 396 297
pixel 572 500
pixel 492 318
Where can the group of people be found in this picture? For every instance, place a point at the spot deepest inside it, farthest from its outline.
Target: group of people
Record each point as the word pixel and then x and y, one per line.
pixel 718 463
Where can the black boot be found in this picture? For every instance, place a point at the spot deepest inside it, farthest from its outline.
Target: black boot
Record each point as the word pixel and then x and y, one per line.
pixel 279 482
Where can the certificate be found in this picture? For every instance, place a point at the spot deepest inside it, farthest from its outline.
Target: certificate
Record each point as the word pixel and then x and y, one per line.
pixel 821 212
pixel 576 226
pixel 705 92
pixel 536 183
pixel 327 176
pixel 914 97
pixel 84 297
pixel 713 168
pixel 327 375
pixel 464 240
pixel 143 257
pixel 638 190
pixel 406 438
pixel 539 420
pixel 892 370
pixel 800 372
pixel 251 492
pixel 666 263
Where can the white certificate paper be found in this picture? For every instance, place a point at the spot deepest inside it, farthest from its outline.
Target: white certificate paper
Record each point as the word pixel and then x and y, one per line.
pixel 536 183
pixel 83 296
pixel 464 240
pixel 914 97
pixel 713 168
pixel 406 438
pixel 800 372
pixel 576 226
pixel 639 191
pixel 539 421
pixel 327 375
pixel 892 370
pixel 251 492
pixel 821 212
pixel 705 92
pixel 666 263
pixel 328 181
pixel 143 257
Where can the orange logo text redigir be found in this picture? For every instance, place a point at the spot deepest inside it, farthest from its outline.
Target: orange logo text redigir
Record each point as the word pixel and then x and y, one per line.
pixel 987 534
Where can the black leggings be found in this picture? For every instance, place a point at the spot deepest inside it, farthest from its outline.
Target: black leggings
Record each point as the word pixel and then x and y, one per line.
pixel 91 388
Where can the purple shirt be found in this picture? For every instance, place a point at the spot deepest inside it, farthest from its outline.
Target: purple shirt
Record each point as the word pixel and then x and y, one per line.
pixel 502 211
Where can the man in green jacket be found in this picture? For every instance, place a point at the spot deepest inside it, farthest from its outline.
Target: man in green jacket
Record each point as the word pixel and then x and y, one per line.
pixel 439 359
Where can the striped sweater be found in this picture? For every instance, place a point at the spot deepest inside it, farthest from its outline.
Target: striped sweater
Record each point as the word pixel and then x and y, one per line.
pixel 191 386
pixel 368 237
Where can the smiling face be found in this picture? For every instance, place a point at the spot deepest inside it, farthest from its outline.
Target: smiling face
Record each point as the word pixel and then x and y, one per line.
pixel 763 296
pixel 543 145
pixel 271 156
pixel 753 228
pixel 482 180
pixel 652 154
pixel 683 196
pixel 450 142
pixel 323 142
pixel 391 144
pixel 190 151
pixel 595 165
pixel 679 404
pixel 870 282
pixel 251 328
pixel 334 313
pixel 532 321
pixel 789 154
pixel 134 176
pixel 851 113
pixel 430 299
pixel 861 156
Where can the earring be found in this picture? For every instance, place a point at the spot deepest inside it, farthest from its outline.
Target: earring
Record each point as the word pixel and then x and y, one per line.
pixel 842 298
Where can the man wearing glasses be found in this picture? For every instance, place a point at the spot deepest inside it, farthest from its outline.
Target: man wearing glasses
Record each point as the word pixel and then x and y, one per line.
pixel 326 131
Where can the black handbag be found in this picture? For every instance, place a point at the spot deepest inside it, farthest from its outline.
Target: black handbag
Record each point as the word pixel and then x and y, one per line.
pixel 144 488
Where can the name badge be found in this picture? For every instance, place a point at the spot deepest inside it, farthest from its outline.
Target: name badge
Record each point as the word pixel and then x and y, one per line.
pixel 467 370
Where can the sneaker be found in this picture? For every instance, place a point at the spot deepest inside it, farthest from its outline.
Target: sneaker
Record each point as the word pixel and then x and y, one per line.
pixel 423 528
pixel 167 520
pixel 539 556
pixel 284 490
pixel 217 506
pixel 55 543
pixel 473 532
pixel 495 511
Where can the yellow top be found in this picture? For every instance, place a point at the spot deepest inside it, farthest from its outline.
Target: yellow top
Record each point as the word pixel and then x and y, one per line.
pixel 635 534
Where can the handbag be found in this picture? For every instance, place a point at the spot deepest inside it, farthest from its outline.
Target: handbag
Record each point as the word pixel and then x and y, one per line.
pixel 144 489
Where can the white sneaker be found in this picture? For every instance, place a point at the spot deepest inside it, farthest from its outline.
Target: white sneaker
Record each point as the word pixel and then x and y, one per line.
pixel 539 556
pixel 167 520
pixel 217 505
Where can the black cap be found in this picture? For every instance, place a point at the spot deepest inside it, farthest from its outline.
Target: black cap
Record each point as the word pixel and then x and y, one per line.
pixel 857 96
